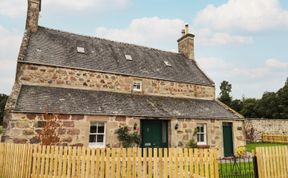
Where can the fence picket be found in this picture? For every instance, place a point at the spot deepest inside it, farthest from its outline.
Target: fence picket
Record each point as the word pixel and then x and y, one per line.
pixel 112 163
pixel 30 161
pixel 272 162
pixel 171 165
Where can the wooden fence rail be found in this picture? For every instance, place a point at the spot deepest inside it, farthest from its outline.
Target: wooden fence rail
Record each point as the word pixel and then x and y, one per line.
pixel 37 161
pixel 272 162
pixel 275 138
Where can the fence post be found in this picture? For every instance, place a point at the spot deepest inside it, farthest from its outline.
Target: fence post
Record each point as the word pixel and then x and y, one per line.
pixel 255 164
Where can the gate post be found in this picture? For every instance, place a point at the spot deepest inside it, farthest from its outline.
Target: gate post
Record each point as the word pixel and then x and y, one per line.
pixel 255 165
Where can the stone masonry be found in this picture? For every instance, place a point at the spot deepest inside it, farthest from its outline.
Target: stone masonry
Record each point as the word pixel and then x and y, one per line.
pixel 72 78
pixel 256 127
pixel 186 127
pixel 74 130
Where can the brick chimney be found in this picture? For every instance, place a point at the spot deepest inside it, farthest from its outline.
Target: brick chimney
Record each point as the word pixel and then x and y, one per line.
pixel 34 8
pixel 186 43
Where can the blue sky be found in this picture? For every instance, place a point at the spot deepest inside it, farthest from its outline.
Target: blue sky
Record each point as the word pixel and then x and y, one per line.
pixel 242 41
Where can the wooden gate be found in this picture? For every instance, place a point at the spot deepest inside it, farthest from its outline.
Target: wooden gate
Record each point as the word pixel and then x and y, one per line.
pixel 272 162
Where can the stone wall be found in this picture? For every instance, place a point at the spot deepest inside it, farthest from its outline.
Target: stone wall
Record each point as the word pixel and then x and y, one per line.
pixel 62 77
pixel 256 127
pixel 186 127
pixel 73 129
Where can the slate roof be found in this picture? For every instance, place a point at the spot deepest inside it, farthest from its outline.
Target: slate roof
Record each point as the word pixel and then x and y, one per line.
pixel 53 47
pixel 38 99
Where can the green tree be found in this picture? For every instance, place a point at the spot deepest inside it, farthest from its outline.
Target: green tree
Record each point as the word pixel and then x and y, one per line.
pixel 225 90
pixel 237 105
pixel 249 108
pixel 282 104
pixel 266 107
pixel 3 99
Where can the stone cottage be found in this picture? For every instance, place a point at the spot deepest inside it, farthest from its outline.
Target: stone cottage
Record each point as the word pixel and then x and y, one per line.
pixel 95 86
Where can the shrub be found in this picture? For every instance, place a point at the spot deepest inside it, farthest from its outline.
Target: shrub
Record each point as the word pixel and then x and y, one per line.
pixel 128 139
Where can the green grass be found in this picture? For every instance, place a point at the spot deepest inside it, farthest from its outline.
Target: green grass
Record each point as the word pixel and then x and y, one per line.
pixel 242 169
pixel 251 146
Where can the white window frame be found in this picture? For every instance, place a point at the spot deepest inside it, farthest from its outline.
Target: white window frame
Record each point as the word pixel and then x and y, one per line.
pixel 95 144
pixel 139 83
pixel 204 142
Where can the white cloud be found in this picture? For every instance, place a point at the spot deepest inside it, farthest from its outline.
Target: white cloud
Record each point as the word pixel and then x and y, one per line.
pixel 207 37
pixel 9 48
pixel 157 32
pixel 251 15
pixel 16 8
pixel 150 31
pixel 87 4
pixel 12 8
pixel 275 63
pixel 245 79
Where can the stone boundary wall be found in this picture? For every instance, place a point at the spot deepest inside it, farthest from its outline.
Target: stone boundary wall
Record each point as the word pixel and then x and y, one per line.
pixel 255 127
pixel 81 79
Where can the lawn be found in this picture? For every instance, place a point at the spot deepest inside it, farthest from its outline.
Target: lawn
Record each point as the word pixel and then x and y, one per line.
pixel 251 146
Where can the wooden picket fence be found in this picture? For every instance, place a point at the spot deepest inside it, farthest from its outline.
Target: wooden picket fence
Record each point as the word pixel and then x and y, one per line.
pixel 272 162
pixel 275 138
pixel 37 161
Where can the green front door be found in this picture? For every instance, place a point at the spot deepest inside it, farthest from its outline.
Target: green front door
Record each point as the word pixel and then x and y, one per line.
pixel 154 133
pixel 228 139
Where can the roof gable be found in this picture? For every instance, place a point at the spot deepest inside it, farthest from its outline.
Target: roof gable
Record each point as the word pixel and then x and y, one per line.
pixel 52 47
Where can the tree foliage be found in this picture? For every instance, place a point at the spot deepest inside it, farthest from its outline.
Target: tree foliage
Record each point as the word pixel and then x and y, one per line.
pixel 272 105
pixel 3 99
pixel 225 90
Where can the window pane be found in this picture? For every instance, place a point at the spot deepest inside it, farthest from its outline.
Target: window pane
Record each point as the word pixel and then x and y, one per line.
pixel 202 129
pixel 202 137
pixel 93 129
pixel 92 138
pixel 100 138
pixel 198 138
pixel 100 128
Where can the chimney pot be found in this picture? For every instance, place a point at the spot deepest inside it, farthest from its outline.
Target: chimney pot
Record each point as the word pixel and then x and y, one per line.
pixel 186 29
pixel 183 32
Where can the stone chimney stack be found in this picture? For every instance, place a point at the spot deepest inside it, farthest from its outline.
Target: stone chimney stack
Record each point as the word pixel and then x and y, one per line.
pixel 186 43
pixel 34 8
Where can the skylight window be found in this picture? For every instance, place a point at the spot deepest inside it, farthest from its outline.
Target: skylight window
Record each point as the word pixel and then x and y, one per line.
pixel 80 50
pixel 128 57
pixel 167 63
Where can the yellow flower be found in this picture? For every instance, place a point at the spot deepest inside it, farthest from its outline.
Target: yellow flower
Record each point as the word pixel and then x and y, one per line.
pixel 240 151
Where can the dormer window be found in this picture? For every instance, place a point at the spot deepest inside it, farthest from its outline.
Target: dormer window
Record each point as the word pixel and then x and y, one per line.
pixel 137 86
pixel 80 50
pixel 128 57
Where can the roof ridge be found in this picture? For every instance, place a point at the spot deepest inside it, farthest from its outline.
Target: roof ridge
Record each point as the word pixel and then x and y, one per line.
pixel 108 40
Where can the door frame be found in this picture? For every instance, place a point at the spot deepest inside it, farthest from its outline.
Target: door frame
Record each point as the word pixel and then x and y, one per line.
pixel 163 145
pixel 232 137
